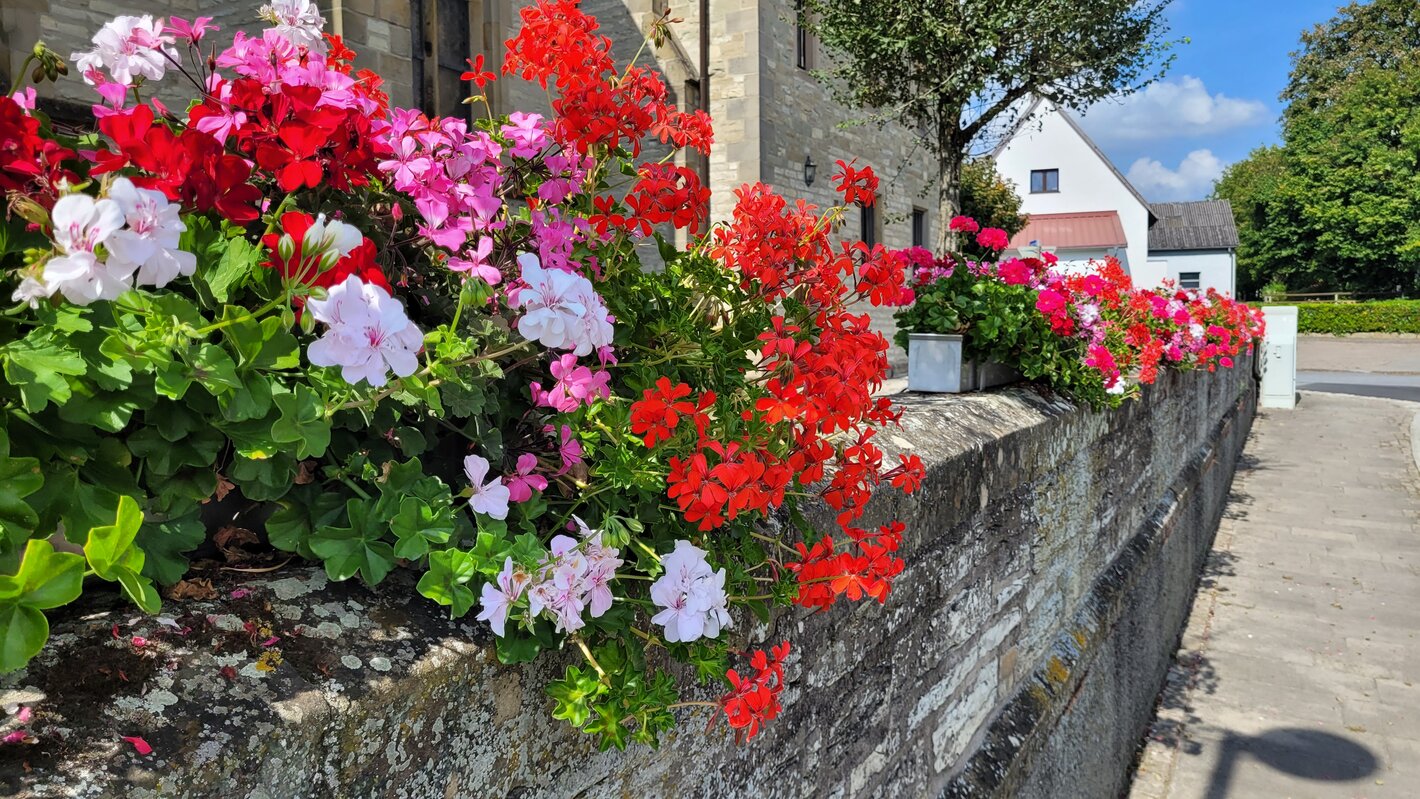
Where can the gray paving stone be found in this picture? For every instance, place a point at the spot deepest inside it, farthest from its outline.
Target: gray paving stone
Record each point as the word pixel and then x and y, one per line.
pixel 1304 641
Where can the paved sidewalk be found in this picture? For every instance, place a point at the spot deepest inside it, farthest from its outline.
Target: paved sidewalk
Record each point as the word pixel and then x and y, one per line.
pixel 1299 674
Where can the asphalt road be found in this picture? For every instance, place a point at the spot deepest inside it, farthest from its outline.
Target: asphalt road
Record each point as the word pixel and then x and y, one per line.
pixel 1364 384
pixel 1365 366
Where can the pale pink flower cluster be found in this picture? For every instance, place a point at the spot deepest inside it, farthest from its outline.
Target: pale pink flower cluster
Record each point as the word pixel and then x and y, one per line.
pixel 562 309
pixel 692 595
pixel 138 230
pixel 573 581
pixel 127 48
pixel 368 336
pixel 298 21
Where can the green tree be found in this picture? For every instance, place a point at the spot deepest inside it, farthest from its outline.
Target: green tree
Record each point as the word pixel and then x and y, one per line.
pixel 989 198
pixel 1337 206
pixel 1267 230
pixel 954 69
pixel 1381 33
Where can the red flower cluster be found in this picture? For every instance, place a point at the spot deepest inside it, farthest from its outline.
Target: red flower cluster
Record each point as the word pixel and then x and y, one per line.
pixel 753 700
pixel 825 574
pixel 856 185
pixel 597 106
pixel 666 193
pixel 657 414
pixel 29 163
pixel 189 166
pixel 292 137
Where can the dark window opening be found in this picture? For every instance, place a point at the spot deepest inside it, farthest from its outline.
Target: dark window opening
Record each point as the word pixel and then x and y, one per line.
pixel 1189 280
pixel 868 219
pixel 801 37
pixel 919 227
pixel 1044 181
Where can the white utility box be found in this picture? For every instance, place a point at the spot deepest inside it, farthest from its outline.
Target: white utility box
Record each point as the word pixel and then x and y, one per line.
pixel 1279 357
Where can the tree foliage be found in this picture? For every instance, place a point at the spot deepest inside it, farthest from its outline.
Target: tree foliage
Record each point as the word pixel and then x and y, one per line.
pixel 1337 206
pixel 989 198
pixel 954 69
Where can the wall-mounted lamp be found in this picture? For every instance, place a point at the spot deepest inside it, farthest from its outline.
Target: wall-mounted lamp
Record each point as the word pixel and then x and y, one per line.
pixel 810 170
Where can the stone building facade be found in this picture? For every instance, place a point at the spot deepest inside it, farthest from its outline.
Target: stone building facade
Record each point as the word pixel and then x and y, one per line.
pixel 771 113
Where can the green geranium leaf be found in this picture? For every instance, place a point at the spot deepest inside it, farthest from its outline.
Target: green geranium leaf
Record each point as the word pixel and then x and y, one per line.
pixel 446 581
pixel 46 579
pixel 19 478
pixel 298 516
pixel 110 547
pixel 165 545
pixel 37 365
pixel 215 370
pixel 419 524
pixel 23 631
pixel 238 260
pixel 303 422
pixel 356 548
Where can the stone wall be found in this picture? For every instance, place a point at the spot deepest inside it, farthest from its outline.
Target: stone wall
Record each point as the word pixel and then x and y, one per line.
pixel 1052 554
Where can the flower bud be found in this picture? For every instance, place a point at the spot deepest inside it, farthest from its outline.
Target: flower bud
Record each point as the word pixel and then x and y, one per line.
pixel 308 323
pixel 288 318
pixel 28 210
pixel 328 260
pixel 318 293
pixel 286 247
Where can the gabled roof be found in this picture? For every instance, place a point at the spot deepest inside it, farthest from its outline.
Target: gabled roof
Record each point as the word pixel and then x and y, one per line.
pixel 1088 230
pixel 1202 225
pixel 1070 119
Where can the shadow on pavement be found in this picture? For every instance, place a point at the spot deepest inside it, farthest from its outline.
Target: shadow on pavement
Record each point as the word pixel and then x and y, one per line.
pixel 1308 754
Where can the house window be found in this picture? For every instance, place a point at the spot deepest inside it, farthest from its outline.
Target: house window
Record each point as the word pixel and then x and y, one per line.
pixel 1044 181
pixel 868 218
pixel 919 227
pixel 802 42
pixel 1189 280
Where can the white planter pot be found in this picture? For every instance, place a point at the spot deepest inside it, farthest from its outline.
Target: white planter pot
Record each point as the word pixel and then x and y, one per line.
pixel 935 365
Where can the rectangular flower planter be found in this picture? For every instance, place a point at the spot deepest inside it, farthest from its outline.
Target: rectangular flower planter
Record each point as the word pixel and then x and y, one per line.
pixel 935 365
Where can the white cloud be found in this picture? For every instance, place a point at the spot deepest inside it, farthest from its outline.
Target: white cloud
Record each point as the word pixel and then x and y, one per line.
pixel 1171 108
pixel 1192 179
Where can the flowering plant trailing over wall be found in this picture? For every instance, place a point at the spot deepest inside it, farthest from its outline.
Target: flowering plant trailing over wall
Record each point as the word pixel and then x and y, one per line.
pixel 392 341
pixel 1092 335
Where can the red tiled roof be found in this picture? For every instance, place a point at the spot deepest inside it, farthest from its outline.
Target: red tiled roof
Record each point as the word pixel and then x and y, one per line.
pixel 1090 229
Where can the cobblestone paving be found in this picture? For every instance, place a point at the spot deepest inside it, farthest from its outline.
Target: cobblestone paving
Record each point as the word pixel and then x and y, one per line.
pixel 1299 673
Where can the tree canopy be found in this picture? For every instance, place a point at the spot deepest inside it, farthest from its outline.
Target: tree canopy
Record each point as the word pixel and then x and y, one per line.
pixel 1337 206
pixel 953 69
pixel 989 198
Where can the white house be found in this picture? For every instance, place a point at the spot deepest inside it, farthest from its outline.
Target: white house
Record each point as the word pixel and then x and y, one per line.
pixel 1081 207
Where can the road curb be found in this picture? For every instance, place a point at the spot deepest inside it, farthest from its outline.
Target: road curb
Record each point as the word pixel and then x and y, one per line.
pixel 1415 439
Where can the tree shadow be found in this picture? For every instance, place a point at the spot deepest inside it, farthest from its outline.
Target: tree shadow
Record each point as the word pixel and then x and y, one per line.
pixel 1175 712
pixel 1308 754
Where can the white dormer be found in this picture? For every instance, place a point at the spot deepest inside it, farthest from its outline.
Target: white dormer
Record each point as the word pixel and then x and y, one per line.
pixel 1080 205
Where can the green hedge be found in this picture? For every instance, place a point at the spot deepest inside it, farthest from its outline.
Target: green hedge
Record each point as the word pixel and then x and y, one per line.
pixel 1342 318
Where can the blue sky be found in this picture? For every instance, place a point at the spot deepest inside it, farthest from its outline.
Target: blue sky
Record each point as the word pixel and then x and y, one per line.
pixel 1218 100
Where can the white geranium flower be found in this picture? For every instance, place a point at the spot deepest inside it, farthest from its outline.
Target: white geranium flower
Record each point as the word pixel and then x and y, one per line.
pixel 81 224
pixel 369 334
pixel 692 595
pixel 150 242
pixel 563 310
pixel 128 47
pixel 330 235
pixel 299 21
pixel 490 497
pixel 30 291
